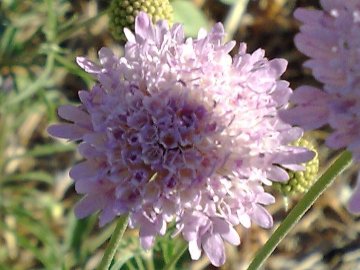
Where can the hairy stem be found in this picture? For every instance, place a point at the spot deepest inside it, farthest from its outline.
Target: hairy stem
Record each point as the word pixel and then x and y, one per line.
pixel 114 243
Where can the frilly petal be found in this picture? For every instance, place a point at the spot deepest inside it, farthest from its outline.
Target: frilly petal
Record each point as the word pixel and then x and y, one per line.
pixel 67 131
pixel 88 66
pixel 194 249
pixel 214 248
pixel 88 205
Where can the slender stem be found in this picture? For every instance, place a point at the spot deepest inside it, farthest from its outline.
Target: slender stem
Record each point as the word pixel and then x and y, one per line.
pixel 66 34
pixel 149 262
pixel 139 263
pixel 40 82
pixel 234 17
pixel 176 256
pixel 340 164
pixel 114 242
pixel 51 33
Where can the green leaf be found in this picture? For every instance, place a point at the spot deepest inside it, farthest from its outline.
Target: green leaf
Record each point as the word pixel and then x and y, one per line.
pixel 187 13
pixel 47 150
pixel 77 231
pixel 39 176
pixel 49 254
pixel 126 255
pixel 7 41
pixel 71 67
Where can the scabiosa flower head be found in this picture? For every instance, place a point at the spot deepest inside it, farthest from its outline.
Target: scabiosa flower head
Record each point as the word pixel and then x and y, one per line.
pixel 330 37
pixel 178 131
pixel 123 12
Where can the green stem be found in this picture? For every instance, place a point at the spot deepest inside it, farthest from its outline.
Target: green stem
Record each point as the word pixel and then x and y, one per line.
pixel 114 242
pixel 339 165
pixel 149 262
pixel 176 256
pixel 40 82
pixel 51 33
pixel 234 18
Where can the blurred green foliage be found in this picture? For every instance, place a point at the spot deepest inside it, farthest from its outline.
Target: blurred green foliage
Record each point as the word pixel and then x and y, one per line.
pixel 190 16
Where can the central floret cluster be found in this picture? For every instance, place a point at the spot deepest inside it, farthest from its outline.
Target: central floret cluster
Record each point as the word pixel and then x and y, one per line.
pixel 179 131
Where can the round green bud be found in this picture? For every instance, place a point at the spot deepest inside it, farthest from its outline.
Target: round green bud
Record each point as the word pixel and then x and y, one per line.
pixel 122 14
pixel 300 181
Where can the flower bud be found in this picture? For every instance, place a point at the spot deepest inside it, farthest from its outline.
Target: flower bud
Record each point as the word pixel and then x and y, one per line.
pixel 123 12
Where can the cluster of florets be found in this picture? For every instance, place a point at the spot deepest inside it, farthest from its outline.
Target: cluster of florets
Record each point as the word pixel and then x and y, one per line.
pixel 122 14
pixel 330 37
pixel 177 130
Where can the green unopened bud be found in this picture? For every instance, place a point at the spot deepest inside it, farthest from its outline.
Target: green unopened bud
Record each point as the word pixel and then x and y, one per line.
pixel 301 181
pixel 123 12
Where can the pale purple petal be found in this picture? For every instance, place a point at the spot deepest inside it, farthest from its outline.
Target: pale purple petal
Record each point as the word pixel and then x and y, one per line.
pixel 88 205
pixel 107 57
pixel 147 236
pixel 129 35
pixel 147 241
pixel 67 131
pixel 89 151
pixel 277 67
pixel 86 186
pixel 84 170
pixel 88 65
pixel 231 236
pixel 214 249
pixel 74 114
pixel 245 220
pixel 143 27
pixel 277 174
pixel 195 249
pixel 265 198
pixel 262 217
pixel 294 155
pixel 307 15
pixel 342 138
pixel 107 215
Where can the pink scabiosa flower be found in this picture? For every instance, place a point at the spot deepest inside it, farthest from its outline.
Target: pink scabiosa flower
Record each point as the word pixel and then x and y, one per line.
pixel 330 37
pixel 177 130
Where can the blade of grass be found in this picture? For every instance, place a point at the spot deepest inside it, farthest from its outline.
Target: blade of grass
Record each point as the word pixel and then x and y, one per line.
pixel 74 69
pixel 38 176
pixel 7 41
pixel 179 251
pixel 50 32
pixel 24 242
pixel 40 82
pixel 46 150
